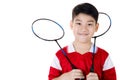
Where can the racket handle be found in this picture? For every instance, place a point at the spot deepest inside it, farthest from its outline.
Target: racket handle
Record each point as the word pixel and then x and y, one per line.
pixel 92 68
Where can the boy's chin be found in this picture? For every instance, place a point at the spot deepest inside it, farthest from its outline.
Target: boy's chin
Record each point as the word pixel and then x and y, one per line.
pixel 84 40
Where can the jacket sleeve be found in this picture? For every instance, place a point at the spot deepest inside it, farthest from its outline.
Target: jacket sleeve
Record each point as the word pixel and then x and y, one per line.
pixel 109 72
pixel 53 73
pixel 55 69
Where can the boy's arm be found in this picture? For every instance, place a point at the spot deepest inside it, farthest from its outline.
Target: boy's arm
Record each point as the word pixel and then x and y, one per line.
pixel 71 75
pixel 109 72
pixel 53 73
pixel 55 68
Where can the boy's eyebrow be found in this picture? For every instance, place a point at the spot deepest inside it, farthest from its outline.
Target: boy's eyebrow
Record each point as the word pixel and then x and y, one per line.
pixel 77 20
pixel 87 21
pixel 91 20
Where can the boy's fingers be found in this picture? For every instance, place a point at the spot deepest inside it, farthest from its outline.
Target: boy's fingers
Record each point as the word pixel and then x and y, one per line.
pixel 78 73
pixel 79 77
pixel 77 70
pixel 92 76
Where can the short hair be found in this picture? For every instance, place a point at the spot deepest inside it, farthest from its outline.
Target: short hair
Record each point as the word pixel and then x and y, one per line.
pixel 85 8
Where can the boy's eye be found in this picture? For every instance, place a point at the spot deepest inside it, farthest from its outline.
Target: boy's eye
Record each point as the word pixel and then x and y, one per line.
pixel 90 24
pixel 78 23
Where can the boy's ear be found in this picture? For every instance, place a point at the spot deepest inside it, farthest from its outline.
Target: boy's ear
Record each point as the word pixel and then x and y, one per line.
pixel 71 24
pixel 97 26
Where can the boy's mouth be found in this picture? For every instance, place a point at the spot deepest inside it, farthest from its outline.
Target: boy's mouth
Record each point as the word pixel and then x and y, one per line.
pixel 83 34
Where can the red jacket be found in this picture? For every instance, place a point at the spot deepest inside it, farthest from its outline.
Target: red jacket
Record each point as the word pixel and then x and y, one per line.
pixel 102 63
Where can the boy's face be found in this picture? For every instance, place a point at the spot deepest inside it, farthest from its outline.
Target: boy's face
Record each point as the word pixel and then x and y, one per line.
pixel 83 27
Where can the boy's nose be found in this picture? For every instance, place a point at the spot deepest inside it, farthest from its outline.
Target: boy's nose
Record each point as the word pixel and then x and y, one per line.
pixel 84 28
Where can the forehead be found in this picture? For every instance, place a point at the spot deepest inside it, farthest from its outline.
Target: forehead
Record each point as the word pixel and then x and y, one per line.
pixel 84 17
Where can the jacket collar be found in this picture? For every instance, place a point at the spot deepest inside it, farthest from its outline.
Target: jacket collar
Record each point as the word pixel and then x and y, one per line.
pixel 72 49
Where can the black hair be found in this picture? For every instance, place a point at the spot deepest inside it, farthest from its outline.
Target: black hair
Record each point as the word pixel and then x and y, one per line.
pixel 85 8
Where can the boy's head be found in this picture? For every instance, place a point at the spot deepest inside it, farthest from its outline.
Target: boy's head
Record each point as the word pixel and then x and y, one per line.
pixel 85 8
pixel 84 22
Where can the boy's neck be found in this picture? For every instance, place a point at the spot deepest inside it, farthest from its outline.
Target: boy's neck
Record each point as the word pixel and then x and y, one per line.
pixel 82 48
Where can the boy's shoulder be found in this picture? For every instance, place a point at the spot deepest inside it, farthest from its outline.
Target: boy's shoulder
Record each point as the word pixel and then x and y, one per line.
pixel 102 52
pixel 64 49
pixel 67 49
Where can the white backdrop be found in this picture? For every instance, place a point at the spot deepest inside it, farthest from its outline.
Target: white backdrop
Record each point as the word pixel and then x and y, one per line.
pixel 25 57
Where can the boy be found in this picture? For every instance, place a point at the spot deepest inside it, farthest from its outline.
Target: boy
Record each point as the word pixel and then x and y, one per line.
pixel 84 25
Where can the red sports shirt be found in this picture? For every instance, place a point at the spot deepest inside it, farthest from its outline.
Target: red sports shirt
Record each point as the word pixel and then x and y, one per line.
pixel 102 63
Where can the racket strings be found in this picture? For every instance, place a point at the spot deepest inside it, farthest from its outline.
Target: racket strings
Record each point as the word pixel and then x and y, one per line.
pixel 47 29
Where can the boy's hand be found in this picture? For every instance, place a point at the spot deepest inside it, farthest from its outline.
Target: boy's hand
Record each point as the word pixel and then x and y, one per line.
pixel 92 76
pixel 72 75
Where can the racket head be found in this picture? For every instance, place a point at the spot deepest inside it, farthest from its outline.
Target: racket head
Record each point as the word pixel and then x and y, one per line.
pixel 105 23
pixel 47 29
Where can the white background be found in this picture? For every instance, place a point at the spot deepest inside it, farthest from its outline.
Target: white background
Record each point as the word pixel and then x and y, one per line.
pixel 25 57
